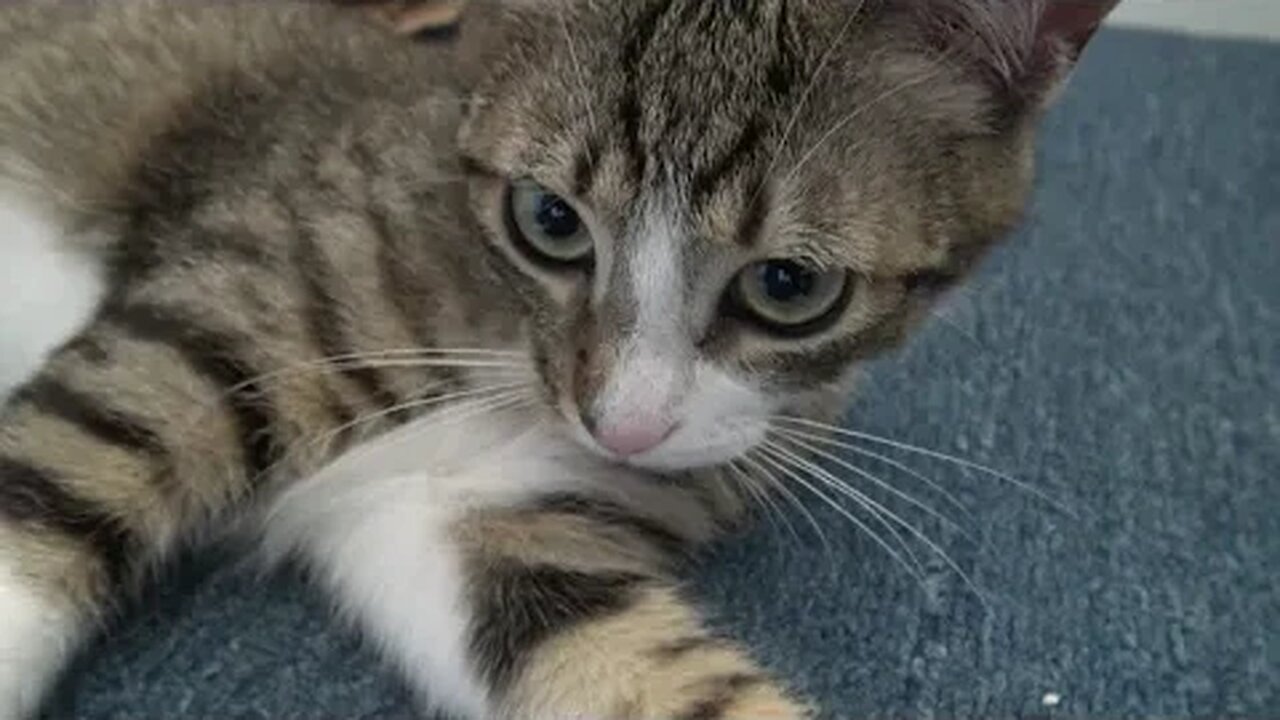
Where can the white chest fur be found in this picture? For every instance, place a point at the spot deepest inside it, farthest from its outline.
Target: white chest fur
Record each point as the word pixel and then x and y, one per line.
pixel 375 526
pixel 48 288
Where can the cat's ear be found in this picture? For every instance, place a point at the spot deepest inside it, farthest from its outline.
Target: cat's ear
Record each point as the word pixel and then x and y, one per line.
pixel 1063 29
pixel 1025 48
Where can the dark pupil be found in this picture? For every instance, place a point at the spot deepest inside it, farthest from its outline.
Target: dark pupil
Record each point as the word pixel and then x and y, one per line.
pixel 785 281
pixel 556 218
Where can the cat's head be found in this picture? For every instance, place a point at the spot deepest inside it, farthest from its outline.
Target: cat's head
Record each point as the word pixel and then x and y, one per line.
pixel 715 210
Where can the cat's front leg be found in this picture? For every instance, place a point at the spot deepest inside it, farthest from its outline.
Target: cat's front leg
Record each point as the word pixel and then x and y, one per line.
pixel 40 627
pixel 632 650
pixel 556 607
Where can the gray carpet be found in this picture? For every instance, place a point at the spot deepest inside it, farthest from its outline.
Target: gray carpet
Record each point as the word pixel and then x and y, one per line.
pixel 1122 353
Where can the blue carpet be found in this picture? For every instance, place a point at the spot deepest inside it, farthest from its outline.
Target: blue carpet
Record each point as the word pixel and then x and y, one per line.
pixel 1122 353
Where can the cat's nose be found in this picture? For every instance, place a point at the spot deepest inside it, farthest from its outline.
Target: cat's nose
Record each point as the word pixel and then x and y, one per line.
pixel 630 436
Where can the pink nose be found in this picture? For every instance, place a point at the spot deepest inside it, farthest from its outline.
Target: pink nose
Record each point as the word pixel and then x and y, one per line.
pixel 632 438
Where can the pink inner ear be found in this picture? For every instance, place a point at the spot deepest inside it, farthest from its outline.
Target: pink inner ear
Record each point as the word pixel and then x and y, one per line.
pixel 1072 23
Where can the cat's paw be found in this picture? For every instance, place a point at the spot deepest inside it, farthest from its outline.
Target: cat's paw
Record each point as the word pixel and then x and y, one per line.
pixel 748 697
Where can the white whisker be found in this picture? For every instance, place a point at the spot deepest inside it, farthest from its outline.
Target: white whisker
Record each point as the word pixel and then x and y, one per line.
pixel 774 483
pixel 849 447
pixel 879 509
pixel 465 410
pixel 804 96
pixel 872 478
pixel 416 404
pixel 323 441
pixel 760 495
pixel 338 363
pixel 854 115
pixel 961 462
pixel 584 97
pixel 791 473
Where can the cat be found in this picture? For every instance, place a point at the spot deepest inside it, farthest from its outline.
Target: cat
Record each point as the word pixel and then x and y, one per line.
pixel 490 334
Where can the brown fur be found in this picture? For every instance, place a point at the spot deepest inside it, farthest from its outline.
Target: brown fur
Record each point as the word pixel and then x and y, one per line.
pixel 274 183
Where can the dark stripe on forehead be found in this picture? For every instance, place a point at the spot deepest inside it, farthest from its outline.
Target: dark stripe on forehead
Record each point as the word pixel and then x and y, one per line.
pixel 585 166
pixel 630 111
pixel 709 178
pixel 220 359
pixel 782 73
pixel 29 494
pixel 750 231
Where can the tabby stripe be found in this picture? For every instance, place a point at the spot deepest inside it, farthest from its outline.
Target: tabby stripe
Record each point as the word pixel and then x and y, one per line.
pixel 395 271
pixel 139 256
pixel 517 607
pixel 584 169
pixel 706 180
pixel 411 300
pixel 109 425
pixel 326 322
pixel 219 358
pixel 724 691
pixel 751 224
pixel 614 515
pixel 29 494
pixel 781 75
pixel 247 247
pixel 89 349
pixel 642 34
pixel 678 649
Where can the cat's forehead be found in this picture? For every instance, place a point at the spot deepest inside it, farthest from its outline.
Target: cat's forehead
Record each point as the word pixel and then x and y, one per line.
pixel 764 119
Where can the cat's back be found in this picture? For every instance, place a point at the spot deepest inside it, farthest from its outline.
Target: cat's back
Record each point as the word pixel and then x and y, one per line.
pixel 85 87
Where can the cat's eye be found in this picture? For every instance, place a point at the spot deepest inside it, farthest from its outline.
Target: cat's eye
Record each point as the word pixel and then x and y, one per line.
pixel 546 225
pixel 789 296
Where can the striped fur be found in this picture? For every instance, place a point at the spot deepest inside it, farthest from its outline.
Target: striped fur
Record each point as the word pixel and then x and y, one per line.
pixel 293 298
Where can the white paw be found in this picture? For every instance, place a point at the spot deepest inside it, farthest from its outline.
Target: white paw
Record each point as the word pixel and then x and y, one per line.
pixel 36 637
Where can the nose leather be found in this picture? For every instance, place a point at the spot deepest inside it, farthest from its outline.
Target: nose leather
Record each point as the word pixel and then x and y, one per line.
pixel 631 436
pixel 630 440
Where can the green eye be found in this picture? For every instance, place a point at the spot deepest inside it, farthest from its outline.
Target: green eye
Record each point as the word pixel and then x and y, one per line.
pixel 546 225
pixel 788 296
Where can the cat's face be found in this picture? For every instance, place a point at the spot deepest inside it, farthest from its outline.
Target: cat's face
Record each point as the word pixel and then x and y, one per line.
pixel 714 210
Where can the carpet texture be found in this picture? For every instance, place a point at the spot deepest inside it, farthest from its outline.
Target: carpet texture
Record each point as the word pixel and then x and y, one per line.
pixel 1122 353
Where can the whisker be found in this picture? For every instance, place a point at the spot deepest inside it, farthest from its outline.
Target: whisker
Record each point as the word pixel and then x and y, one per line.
pixel 804 96
pixel 791 498
pixel 876 510
pixel 344 363
pixel 760 495
pixel 885 459
pixel 468 409
pixel 844 512
pixel 584 97
pixel 925 452
pixel 854 115
pixel 324 440
pixel 381 359
pixel 888 487
pixel 872 505
pixel 415 404
pixel 480 406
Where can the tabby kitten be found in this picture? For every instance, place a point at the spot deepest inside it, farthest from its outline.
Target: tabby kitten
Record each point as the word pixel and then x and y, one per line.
pixel 471 330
